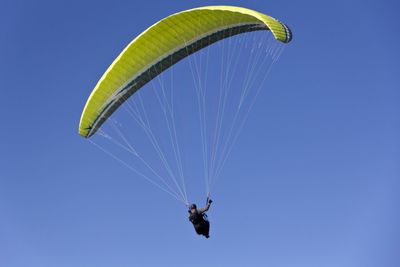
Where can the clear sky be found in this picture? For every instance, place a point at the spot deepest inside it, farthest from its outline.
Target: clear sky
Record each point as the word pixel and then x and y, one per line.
pixel 314 179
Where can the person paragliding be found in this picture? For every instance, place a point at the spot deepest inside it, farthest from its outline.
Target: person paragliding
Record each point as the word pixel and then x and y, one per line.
pixel 154 51
pixel 198 217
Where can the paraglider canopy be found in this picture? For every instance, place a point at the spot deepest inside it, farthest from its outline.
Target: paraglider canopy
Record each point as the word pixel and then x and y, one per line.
pixel 162 45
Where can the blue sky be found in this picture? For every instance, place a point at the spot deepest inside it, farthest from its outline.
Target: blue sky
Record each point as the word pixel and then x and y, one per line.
pixel 312 181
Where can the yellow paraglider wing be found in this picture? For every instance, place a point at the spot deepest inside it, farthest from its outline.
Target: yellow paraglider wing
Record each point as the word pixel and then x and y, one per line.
pixel 162 45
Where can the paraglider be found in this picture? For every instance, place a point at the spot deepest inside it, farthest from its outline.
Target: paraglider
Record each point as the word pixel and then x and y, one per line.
pixel 157 49
pixel 164 44
pixel 198 217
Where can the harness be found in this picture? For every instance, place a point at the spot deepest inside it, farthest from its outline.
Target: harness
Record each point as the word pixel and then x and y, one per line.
pixel 197 218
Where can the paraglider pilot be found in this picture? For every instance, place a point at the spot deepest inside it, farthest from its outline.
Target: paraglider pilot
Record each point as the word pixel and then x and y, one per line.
pixel 198 217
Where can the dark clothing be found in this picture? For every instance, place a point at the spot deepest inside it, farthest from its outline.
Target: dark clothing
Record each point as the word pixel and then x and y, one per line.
pixel 196 217
pixel 202 228
pixel 199 220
